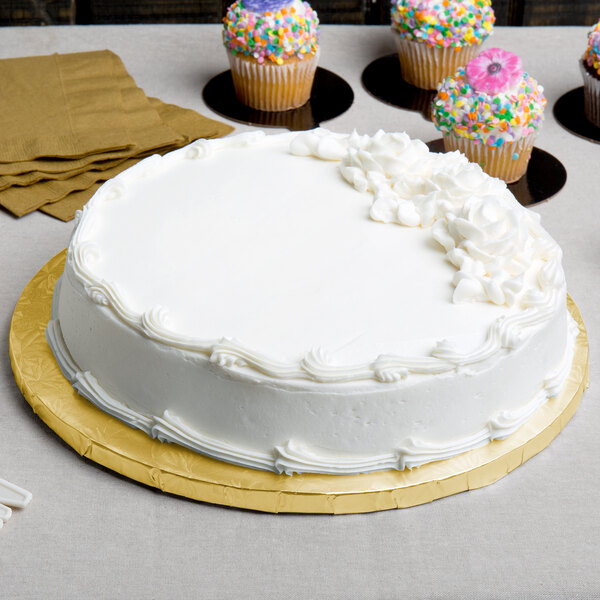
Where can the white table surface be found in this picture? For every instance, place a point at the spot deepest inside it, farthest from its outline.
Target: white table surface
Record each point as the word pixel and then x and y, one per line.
pixel 91 533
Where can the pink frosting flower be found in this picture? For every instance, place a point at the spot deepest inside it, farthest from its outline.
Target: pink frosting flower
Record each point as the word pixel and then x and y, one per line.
pixel 494 71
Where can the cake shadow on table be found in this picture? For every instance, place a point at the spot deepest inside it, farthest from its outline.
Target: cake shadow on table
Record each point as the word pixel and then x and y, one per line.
pixel 568 111
pixel 330 97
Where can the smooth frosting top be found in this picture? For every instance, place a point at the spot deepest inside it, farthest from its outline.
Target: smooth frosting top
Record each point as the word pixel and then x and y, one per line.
pixel 490 101
pixel 272 30
pixel 443 23
pixel 481 270
pixel 592 52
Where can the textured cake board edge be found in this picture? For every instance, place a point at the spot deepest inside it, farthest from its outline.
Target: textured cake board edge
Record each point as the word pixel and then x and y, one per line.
pixel 177 470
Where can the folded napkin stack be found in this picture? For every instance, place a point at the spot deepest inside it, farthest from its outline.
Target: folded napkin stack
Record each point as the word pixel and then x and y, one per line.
pixel 69 122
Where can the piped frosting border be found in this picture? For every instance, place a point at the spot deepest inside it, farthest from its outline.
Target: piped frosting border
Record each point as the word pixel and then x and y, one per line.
pixel 501 253
pixel 293 457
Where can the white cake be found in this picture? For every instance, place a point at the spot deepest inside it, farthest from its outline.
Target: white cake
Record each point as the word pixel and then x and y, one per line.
pixel 313 302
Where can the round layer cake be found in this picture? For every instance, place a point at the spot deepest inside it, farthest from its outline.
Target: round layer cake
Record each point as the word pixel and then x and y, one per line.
pixel 313 302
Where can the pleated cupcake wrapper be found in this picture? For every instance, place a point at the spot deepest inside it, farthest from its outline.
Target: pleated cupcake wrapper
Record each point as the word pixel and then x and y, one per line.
pixel 497 162
pixel 273 87
pixel 425 66
pixel 591 96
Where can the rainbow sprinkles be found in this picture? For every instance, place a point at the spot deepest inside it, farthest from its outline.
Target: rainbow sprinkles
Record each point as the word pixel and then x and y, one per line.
pixel 487 113
pixel 444 23
pixel 271 30
pixel 592 52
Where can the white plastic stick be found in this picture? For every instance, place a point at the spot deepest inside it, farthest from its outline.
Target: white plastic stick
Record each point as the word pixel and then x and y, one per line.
pixel 13 495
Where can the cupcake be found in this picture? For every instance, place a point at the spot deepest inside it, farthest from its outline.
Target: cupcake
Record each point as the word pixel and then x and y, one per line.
pixel 590 68
pixel 273 49
pixel 435 37
pixel 491 111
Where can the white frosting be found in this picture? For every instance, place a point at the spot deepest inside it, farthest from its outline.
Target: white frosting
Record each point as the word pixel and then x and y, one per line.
pixel 492 240
pixel 256 314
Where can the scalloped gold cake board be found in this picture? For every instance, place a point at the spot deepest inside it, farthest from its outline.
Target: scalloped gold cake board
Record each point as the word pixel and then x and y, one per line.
pixel 177 470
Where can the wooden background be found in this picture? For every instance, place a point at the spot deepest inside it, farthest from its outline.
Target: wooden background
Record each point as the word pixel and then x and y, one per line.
pixel 102 12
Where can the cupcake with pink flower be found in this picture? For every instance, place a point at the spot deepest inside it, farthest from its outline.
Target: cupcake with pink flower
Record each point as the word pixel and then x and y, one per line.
pixel 590 69
pixel 435 37
pixel 273 49
pixel 491 110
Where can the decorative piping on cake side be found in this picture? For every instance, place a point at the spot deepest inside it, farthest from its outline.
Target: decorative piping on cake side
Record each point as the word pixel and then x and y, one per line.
pixel 294 457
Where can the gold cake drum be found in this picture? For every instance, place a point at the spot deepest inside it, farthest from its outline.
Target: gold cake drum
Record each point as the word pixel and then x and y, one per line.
pixel 177 470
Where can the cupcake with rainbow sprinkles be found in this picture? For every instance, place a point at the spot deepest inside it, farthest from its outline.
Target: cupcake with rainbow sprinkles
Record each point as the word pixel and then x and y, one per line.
pixel 435 37
pixel 590 69
pixel 273 49
pixel 491 110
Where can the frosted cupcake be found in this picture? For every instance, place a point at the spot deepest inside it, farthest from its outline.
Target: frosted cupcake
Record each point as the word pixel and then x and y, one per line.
pixel 590 68
pixel 435 37
pixel 491 111
pixel 273 49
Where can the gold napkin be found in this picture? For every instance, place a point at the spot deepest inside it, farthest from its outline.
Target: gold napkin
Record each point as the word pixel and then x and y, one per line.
pixel 68 170
pixel 144 128
pixel 143 124
pixel 148 125
pixel 188 123
pixel 62 105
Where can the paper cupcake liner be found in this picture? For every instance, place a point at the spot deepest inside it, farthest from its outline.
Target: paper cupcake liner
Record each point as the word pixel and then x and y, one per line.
pixel 591 96
pixel 509 162
pixel 273 87
pixel 425 66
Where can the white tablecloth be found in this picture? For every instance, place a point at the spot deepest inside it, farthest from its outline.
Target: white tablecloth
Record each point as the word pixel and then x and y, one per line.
pixel 91 533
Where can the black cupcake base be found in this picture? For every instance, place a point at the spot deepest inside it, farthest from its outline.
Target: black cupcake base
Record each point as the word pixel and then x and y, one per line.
pixel 383 79
pixel 330 97
pixel 568 111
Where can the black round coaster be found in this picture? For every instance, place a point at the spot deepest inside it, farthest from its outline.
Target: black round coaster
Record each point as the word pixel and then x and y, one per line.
pixel 330 97
pixel 545 176
pixel 383 79
pixel 568 110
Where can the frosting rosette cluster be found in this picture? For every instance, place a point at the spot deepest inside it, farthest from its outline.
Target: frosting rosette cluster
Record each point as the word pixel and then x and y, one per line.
pixel 490 243
pixel 490 101
pixel 592 52
pixel 271 30
pixel 443 23
pixel 491 240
